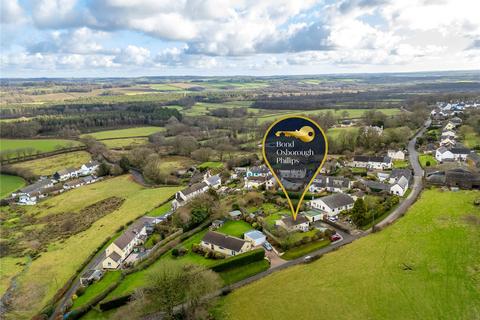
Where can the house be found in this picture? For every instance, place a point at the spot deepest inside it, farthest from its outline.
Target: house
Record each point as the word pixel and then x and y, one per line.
pixel 299 224
pixel 254 182
pixel 312 215
pixel 225 244
pixel 214 181
pixel 372 162
pixel 90 179
pixel 293 174
pixel 399 187
pixel 330 183
pixel 397 174
pixel 450 126
pixel 185 195
pixel 430 148
pixel 89 168
pixel 456 121
pixel 396 155
pixel 375 186
pixel 235 214
pixel 255 237
pixel 443 154
pixel 271 183
pixel 72 184
pixel 66 174
pixel 30 194
pixel 217 224
pixel 462 178
pixel 119 249
pixel 90 276
pixel 260 171
pixel 447 142
pixel 382 176
pixel 460 153
pixel 448 133
pixel 333 204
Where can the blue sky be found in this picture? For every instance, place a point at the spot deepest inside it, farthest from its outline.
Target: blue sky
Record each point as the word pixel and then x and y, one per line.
pixel 89 38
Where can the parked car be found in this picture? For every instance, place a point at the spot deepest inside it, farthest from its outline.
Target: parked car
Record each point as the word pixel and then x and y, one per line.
pixel 267 246
pixel 307 259
pixel 335 237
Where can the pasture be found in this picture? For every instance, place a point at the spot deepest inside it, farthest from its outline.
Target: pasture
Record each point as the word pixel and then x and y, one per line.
pixel 9 183
pixel 425 266
pixel 49 165
pixel 124 133
pixel 63 257
pixel 38 145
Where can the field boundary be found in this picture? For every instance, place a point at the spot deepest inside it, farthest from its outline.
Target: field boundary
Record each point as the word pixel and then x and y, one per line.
pixel 43 155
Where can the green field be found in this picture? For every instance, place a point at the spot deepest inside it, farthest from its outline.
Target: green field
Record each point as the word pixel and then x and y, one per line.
pixel 124 143
pixel 39 145
pixel 471 139
pixel 203 108
pixel 423 158
pixel 210 165
pixel 425 266
pixel 124 133
pixel 35 285
pixel 160 211
pixel 333 133
pixel 239 273
pixel 9 183
pixel 49 165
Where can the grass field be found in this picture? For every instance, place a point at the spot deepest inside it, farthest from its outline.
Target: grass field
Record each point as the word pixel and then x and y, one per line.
pixel 172 163
pixel 9 183
pixel 124 133
pixel 9 267
pixel 210 165
pixel 51 270
pixel 160 211
pixel 40 145
pixel 49 165
pixel 425 266
pixel 423 158
pixel 472 139
pixel 333 133
pixel 123 143
pixel 239 273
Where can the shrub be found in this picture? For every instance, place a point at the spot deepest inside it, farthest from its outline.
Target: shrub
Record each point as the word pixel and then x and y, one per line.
pixel 114 303
pixel 240 260
pixel 80 291
pixel 175 252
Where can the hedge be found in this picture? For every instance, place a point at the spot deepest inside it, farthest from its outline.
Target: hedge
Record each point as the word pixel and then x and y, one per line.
pixel 240 260
pixel 114 303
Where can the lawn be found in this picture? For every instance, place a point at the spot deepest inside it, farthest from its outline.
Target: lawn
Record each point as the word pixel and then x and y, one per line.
pixel 400 164
pixel 243 272
pixel 423 158
pixel 39 145
pixel 49 165
pixel 297 252
pixel 235 228
pixel 425 266
pixel 96 288
pixel 124 133
pixel 211 165
pixel 160 211
pixel 35 285
pixel 9 183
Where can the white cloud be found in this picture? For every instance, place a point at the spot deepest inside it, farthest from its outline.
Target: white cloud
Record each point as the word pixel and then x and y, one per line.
pixel 133 55
pixel 11 12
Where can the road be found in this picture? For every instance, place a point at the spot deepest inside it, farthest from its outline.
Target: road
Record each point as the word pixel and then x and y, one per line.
pixel 417 181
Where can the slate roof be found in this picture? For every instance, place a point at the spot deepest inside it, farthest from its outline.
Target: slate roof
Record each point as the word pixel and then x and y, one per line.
pixel 222 240
pixel 337 200
pixel 213 180
pixel 402 182
pixel 475 158
pixel 235 213
pixel 194 188
pixel 382 159
pixel 288 220
pixel 132 232
pixel 460 150
pixel 37 186
pixel 330 181
pixel 115 256
pixel 92 164
pixel 375 185
pixel 66 171
pixel 398 173
pixel 442 150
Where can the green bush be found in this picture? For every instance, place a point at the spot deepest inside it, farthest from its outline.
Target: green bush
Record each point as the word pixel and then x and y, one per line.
pixel 240 260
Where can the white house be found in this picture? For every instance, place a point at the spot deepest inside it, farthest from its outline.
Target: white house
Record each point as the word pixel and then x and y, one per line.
pixel 271 183
pixel 300 224
pixel 255 182
pixel 119 249
pixel 30 194
pixel 460 153
pixel 333 204
pixel 330 183
pixel 66 174
pixel 89 168
pixel 185 195
pixel 372 162
pixel 293 174
pixel 396 154
pixel 447 142
pixel 260 171
pixel 399 187
pixel 225 244
pixel 312 215
pixel 443 154
pixel 72 184
pixel 255 237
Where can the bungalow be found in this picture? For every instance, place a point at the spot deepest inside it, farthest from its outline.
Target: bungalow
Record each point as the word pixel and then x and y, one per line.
pixel 235 214
pixel 260 171
pixel 89 168
pixel 225 244
pixel 299 224
pixel 66 174
pixel 372 162
pixel 443 154
pixel 396 155
pixel 330 183
pixel 333 204
pixel 119 250
pixel 255 237
pixel 32 193
pixel 312 215
pixel 185 195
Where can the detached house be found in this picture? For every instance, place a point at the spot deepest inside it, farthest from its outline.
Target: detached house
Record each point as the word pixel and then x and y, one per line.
pixel 66 174
pixel 443 154
pixel 447 142
pixel 255 182
pixel 330 183
pixel 300 224
pixel 89 168
pixel 32 193
pixel 119 250
pixel 460 153
pixel 185 195
pixel 372 162
pixel 225 244
pixel 332 204
pixel 396 155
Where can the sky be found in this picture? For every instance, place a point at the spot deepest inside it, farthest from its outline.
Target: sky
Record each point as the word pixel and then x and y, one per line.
pixel 117 38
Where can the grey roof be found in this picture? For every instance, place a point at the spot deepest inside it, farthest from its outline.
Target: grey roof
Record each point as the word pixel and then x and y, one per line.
pixel 398 173
pixel 132 231
pixel 194 187
pixel 259 169
pixel 460 150
pixel 235 213
pixel 66 171
pixel 402 182
pixel 461 175
pixel 37 186
pixel 474 157
pixel 88 274
pixel 288 220
pixel 222 240
pixel 337 200
pixel 92 164
pixel 115 256
pixel 74 182
pixel 331 181
pixel 442 150
pixel 88 179
pixel 254 234
pixel 375 185
pixel 382 159
pixel 214 179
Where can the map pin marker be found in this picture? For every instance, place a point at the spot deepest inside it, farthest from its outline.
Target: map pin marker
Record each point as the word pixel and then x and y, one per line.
pixel 295 149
